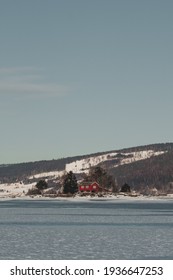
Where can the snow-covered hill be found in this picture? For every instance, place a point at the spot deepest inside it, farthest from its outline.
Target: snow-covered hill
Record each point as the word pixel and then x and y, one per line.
pixel 83 165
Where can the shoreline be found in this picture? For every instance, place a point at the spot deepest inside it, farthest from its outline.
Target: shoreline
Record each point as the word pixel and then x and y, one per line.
pixel 113 198
pixel 18 191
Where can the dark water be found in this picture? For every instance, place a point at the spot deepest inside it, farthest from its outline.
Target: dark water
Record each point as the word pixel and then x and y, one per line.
pixel 86 230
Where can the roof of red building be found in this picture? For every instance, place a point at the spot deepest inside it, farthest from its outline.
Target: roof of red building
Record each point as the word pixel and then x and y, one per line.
pixel 88 183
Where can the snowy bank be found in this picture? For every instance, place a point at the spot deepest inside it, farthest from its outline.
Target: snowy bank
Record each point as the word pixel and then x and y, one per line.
pixel 20 190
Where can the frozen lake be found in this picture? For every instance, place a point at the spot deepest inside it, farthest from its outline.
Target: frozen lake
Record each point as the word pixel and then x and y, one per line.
pixel 86 230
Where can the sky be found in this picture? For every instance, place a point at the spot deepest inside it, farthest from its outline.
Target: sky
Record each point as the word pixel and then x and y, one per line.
pixel 80 77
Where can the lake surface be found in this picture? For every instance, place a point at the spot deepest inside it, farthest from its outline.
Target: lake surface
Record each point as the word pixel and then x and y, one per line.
pixel 86 230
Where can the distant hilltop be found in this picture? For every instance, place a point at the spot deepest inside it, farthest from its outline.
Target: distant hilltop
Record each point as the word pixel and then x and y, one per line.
pixel 141 167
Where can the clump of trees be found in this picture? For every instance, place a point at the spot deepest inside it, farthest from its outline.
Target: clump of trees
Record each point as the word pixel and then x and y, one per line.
pixel 70 185
pixel 34 191
pixel 39 187
pixel 42 185
pixel 100 175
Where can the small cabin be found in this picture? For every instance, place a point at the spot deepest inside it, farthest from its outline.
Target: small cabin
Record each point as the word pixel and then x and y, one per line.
pixel 90 187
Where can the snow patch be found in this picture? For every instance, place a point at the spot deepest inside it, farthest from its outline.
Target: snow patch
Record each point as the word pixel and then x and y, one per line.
pixel 14 190
pixel 52 174
pixel 136 156
pixel 83 165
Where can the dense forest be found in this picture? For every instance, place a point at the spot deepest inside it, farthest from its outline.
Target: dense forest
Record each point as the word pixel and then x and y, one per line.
pixel 156 172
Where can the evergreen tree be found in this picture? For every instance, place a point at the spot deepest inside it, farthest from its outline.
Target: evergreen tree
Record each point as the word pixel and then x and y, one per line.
pixel 70 183
pixel 41 185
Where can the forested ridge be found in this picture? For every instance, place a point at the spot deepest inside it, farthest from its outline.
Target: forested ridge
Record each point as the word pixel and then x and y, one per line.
pixel 153 172
pixel 156 171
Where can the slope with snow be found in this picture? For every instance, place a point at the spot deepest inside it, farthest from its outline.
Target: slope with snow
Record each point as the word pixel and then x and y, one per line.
pixel 83 165
pixel 14 190
pixel 51 174
pixel 136 156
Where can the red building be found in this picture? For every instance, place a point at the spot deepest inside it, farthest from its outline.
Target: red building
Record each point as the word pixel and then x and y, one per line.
pixel 90 187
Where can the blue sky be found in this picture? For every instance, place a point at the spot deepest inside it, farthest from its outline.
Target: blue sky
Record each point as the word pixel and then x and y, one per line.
pixel 79 77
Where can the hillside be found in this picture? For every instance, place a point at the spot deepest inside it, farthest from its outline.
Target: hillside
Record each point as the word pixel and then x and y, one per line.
pixel 141 167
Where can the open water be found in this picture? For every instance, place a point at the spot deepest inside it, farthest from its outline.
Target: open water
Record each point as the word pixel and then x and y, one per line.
pixel 86 230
